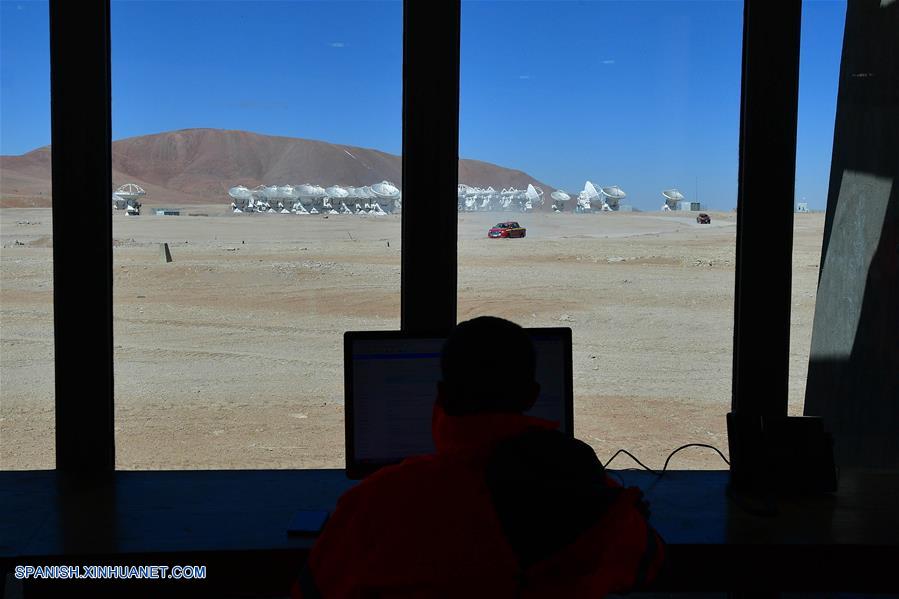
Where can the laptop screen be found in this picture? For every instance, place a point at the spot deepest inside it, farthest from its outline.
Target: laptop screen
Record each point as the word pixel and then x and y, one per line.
pixel 391 383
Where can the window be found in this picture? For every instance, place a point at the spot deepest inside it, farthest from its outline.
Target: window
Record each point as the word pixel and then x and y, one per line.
pixel 27 423
pixel 266 137
pixel 469 170
pixel 608 132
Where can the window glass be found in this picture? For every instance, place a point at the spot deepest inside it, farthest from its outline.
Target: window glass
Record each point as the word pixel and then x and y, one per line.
pixel 606 128
pixel 27 423
pixel 259 142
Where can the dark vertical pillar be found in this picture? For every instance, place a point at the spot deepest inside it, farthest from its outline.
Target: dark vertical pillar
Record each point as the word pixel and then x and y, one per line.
pixel 853 377
pixel 765 207
pixel 82 234
pixel 430 164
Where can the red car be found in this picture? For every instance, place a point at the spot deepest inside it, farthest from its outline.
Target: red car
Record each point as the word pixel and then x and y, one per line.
pixel 507 229
pixel 704 219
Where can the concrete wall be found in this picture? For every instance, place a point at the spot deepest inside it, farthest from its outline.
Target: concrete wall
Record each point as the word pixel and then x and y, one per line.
pixel 853 376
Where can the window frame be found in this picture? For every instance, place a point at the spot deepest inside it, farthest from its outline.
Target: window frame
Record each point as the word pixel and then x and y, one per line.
pixel 82 239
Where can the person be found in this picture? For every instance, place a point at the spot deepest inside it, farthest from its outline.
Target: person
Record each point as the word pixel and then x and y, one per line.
pixel 507 506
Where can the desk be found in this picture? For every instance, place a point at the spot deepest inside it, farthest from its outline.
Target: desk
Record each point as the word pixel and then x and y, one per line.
pixel 234 522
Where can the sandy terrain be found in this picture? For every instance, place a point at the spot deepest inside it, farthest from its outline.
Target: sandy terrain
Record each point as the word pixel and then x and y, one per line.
pixel 229 357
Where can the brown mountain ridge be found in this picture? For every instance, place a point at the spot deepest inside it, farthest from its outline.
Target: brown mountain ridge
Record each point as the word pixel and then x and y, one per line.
pixel 198 166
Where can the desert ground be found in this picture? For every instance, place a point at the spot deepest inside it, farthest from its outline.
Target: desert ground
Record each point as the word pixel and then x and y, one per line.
pixel 230 356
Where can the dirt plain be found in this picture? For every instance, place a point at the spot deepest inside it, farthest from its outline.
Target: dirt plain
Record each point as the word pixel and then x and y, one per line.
pixel 230 356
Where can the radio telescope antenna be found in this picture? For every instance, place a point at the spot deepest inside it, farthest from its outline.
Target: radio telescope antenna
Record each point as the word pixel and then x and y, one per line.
pixel 130 191
pixel 534 197
pixel 127 198
pixel 672 197
pixel 586 197
pixel 337 192
pixel 467 197
pixel 613 195
pixel 386 192
pixel 307 191
pixel 559 198
pixel 240 193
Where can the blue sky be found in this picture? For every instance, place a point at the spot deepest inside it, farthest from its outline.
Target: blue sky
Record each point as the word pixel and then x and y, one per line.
pixel 644 95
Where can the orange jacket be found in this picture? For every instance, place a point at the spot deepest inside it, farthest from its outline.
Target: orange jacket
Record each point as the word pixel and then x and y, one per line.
pixel 506 507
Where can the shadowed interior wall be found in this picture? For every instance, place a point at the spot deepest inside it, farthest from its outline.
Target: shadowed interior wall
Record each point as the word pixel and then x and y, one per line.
pixel 853 379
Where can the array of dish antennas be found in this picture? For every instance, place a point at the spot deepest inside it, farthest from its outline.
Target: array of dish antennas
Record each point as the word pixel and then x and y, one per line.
pixel 378 199
pixel 672 197
pixel 127 197
pixel 590 199
pixel 510 199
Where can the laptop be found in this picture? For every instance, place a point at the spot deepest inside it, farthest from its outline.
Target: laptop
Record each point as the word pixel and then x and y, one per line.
pixel 390 384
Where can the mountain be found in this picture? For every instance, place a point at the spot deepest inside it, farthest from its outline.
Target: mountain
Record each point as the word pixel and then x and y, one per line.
pixel 198 166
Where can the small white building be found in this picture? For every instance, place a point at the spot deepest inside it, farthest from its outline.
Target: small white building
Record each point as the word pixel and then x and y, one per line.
pixel 802 207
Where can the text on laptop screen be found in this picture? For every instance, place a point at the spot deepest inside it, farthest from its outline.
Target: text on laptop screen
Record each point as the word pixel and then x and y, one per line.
pixel 395 385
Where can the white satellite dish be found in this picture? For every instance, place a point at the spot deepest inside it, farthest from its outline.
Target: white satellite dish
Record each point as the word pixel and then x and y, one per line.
pixel 613 193
pixel 287 192
pixel 385 190
pixel 590 191
pixel 309 191
pixel 464 202
pixel 130 191
pixel 534 196
pixel 240 193
pixel 336 191
pixel 559 198
pixel 258 192
pixel 673 195
pixel 586 197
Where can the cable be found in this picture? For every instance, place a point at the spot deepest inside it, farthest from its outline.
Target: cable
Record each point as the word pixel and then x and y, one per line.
pixel 624 451
pixel 670 455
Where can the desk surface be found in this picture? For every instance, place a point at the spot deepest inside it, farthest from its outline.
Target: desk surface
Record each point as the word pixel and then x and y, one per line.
pixel 43 516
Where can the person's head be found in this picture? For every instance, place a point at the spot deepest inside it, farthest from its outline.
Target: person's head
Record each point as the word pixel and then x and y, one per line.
pixel 487 365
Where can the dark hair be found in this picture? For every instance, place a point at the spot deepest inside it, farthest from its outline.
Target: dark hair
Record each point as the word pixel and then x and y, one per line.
pixel 488 365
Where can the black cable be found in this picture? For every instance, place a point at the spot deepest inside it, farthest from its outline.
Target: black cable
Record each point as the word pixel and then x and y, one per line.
pixel 624 451
pixel 670 455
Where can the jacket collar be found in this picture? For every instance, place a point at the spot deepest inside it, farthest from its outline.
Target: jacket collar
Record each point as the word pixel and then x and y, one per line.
pixel 454 433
